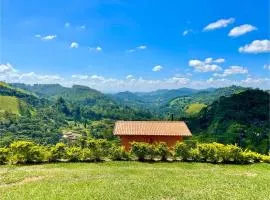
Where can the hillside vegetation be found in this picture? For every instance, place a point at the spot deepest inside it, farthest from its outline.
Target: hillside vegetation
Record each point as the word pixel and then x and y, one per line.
pixel 9 104
pixel 47 111
pixel 195 108
pixel 242 118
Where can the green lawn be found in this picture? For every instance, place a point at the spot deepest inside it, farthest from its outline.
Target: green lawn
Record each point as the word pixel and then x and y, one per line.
pixel 134 180
pixel 10 104
pixel 195 108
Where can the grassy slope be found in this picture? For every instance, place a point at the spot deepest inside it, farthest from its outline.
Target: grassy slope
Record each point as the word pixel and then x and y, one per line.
pixel 194 108
pixel 134 180
pixel 10 104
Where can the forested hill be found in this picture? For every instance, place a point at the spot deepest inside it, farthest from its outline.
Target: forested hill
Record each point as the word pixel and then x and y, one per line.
pixel 241 118
pixel 44 112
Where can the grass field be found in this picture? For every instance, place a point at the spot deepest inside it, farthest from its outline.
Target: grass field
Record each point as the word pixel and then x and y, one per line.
pixel 134 180
pixel 195 108
pixel 10 104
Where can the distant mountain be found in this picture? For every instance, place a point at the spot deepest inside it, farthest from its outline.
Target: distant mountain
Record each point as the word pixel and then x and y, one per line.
pixel 93 103
pixel 180 105
pixel 160 97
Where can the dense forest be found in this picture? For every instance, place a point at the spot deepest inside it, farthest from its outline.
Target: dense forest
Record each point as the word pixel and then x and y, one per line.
pixel 49 113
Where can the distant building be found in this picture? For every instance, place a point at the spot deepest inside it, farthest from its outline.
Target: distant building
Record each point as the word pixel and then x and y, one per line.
pixel 169 132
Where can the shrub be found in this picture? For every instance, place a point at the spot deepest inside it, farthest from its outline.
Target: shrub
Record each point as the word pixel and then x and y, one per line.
pixel 100 148
pixel 87 155
pixel 25 152
pixel 74 154
pixel 182 151
pixel 265 158
pixel 118 153
pixel 4 155
pixel 58 152
pixel 250 157
pixel 143 151
pixel 161 150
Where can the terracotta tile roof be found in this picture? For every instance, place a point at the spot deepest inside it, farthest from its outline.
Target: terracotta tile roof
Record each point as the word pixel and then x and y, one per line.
pixel 168 128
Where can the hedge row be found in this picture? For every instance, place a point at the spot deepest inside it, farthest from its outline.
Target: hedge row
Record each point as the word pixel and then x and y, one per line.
pixel 23 152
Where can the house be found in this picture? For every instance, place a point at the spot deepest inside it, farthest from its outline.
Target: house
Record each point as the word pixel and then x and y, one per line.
pixel 169 132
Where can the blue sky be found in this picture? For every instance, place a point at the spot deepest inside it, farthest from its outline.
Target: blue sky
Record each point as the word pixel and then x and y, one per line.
pixel 117 45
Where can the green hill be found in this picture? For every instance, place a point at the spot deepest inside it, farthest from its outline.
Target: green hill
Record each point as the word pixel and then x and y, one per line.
pixel 241 118
pixel 194 108
pixel 9 104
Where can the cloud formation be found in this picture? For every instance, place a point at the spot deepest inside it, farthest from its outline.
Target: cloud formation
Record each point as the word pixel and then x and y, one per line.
pixel 97 49
pixel 74 45
pixel 130 82
pixel 185 32
pixel 222 23
pixel 208 65
pixel 257 46
pixel 157 68
pixel 138 48
pixel 232 70
pixel 47 37
pixel 241 30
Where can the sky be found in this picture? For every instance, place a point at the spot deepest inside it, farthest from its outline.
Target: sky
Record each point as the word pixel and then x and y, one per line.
pixel 142 45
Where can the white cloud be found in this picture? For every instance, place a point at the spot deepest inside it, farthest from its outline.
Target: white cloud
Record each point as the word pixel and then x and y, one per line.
pixel 267 66
pixel 74 45
pixel 138 48
pixel 185 32
pixel 157 68
pixel 232 70
pixel 208 60
pixel 142 47
pixel 49 37
pixel 6 68
pixel 131 83
pixel 81 77
pixel 219 24
pixel 129 76
pixel 9 74
pixel 219 60
pixel 257 46
pixel 205 66
pixel 98 49
pixel 241 30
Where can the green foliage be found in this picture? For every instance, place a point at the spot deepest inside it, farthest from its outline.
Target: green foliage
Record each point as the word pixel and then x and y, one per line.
pixel 119 153
pixel 22 152
pixel 194 108
pixel 58 152
pixel 161 151
pixel 143 151
pixel 242 118
pixel 100 148
pixel 74 154
pixel 4 155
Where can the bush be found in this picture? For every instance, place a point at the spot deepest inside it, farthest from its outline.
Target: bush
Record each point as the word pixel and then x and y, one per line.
pixel 161 151
pixel 100 148
pixel 74 154
pixel 119 153
pixel 22 152
pixel 4 155
pixel 87 155
pixel 58 152
pixel 182 151
pixel 143 151
pixel 251 157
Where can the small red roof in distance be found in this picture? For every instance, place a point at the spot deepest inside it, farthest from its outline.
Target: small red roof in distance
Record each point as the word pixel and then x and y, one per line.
pixel 163 128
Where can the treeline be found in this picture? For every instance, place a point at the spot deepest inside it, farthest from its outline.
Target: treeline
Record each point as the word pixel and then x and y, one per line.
pixel 27 152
